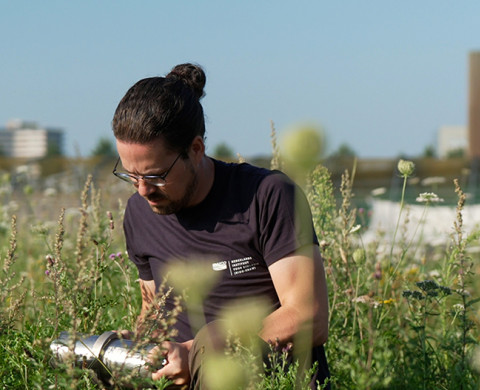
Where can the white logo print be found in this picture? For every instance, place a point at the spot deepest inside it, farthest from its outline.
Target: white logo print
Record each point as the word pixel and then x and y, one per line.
pixel 220 266
pixel 236 266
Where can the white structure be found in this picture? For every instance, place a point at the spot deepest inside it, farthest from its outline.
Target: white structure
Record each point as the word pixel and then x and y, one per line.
pixel 452 138
pixel 28 140
pixel 431 224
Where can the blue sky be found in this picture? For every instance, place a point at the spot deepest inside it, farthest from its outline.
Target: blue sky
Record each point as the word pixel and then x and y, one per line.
pixel 381 76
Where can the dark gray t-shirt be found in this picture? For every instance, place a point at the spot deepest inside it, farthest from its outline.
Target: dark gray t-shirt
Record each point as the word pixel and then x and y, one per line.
pixel 251 218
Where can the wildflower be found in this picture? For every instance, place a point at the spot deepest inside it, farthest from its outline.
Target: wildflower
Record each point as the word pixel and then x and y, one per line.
pixel 324 244
pixel 388 301
pixel 348 291
pixel 428 285
pixel 110 220
pixel 355 228
pixel 445 290
pixel 362 299
pixel 50 192
pixel 429 197
pixel 378 191
pixel 50 260
pixel 47 272
pixel 378 271
pixel 287 348
pixel 412 270
pixel 428 181
pixel 413 294
pixel 463 293
pixel 406 168
pixel 112 256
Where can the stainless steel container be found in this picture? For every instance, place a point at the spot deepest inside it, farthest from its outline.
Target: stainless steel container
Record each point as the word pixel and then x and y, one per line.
pixel 105 354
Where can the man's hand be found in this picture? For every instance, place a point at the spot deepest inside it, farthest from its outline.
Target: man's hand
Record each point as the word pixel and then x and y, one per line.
pixel 299 281
pixel 125 334
pixel 176 368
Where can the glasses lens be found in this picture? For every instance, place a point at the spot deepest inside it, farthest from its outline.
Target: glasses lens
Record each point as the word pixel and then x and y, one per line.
pixel 154 180
pixel 126 177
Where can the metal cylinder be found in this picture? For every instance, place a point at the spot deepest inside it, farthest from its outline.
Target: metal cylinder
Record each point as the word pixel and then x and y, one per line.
pixel 104 354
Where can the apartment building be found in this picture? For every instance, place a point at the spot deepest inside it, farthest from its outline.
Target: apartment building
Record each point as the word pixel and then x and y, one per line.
pixel 23 139
pixel 452 139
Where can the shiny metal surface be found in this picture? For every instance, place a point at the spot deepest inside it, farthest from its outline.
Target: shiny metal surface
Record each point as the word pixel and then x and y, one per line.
pixel 105 354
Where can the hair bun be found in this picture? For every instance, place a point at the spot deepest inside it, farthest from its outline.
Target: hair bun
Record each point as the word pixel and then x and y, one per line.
pixel 192 75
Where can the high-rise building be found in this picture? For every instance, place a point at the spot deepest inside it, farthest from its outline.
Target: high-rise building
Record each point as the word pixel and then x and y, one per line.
pixel 452 139
pixel 29 140
pixel 474 105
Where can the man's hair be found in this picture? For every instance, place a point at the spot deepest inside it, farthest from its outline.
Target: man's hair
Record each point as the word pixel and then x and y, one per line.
pixel 163 107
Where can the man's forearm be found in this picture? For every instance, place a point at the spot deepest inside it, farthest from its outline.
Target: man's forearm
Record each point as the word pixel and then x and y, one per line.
pixel 285 323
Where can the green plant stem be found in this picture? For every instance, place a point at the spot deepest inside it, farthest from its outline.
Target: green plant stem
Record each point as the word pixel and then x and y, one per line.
pixel 423 341
pixel 390 261
pixel 402 204
pixel 355 310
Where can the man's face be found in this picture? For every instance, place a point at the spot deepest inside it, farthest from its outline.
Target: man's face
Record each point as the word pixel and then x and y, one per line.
pixel 155 159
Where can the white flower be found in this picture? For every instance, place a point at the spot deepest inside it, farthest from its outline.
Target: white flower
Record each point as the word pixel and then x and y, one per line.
pixel 362 299
pixel 429 197
pixel 49 192
pixel 406 167
pixel 379 191
pixel 428 181
pixel 355 228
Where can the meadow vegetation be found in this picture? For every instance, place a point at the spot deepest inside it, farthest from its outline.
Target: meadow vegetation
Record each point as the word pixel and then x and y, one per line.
pixel 403 313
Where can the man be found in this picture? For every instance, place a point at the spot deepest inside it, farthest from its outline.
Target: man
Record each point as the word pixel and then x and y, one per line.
pixel 190 206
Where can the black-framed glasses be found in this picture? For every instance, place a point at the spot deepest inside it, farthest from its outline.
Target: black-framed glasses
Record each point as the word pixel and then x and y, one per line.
pixel 154 180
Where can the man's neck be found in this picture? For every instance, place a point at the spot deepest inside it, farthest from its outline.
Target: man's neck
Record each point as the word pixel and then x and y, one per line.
pixel 205 177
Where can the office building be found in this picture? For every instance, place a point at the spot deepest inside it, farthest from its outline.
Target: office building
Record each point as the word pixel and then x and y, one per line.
pixel 22 139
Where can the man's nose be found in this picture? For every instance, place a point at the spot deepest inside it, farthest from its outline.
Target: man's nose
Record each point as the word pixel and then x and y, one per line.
pixel 144 188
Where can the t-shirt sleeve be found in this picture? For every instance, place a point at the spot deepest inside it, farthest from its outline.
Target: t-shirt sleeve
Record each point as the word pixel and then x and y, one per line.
pixel 129 221
pixel 285 221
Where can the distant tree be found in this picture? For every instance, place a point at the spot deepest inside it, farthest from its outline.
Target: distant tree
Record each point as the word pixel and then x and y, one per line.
pixel 104 148
pixel 344 151
pixel 53 150
pixel 429 151
pixel 456 153
pixel 223 152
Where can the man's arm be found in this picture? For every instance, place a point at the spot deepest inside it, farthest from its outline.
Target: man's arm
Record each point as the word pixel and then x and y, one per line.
pixel 176 354
pixel 299 281
pixel 147 288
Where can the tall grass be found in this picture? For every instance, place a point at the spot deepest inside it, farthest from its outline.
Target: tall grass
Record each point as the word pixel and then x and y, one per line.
pixel 403 313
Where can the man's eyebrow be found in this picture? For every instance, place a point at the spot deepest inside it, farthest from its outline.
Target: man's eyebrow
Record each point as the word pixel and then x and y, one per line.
pixel 147 174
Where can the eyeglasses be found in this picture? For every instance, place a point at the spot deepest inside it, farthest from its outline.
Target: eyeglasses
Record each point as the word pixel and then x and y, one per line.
pixel 154 180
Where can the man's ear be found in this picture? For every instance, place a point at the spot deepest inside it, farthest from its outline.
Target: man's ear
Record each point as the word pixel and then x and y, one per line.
pixel 197 149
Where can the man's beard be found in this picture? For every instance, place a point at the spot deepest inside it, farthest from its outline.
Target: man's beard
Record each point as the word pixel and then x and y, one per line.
pixel 176 205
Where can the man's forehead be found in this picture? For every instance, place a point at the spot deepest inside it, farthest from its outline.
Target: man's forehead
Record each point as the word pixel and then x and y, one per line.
pixel 143 158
